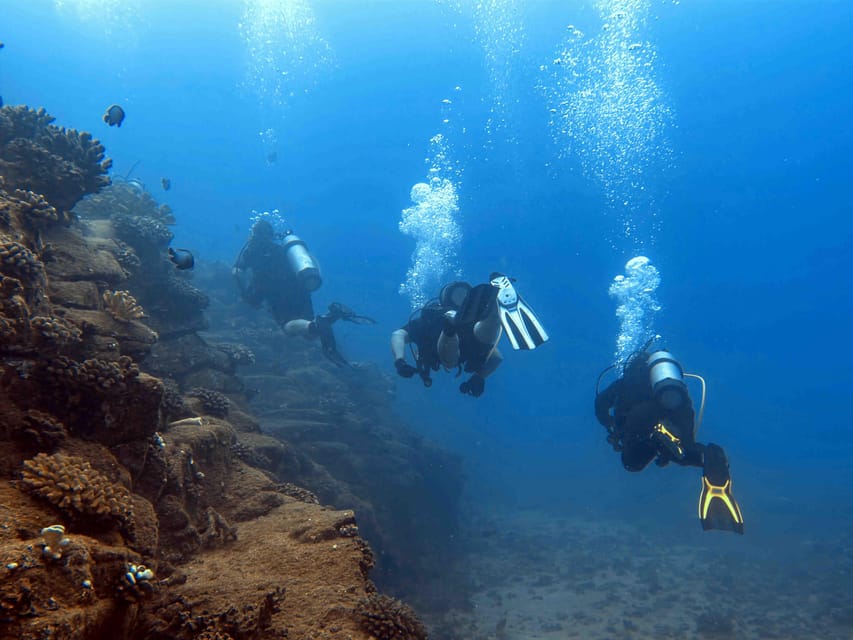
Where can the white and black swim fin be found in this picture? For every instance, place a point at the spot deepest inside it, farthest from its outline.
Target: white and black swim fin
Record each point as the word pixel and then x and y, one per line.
pixel 520 323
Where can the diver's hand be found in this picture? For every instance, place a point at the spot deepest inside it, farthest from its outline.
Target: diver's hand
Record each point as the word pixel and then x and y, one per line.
pixel 474 386
pixel 404 369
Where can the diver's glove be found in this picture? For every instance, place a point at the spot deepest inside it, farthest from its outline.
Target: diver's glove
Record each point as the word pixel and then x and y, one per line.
pixel 404 369
pixel 474 386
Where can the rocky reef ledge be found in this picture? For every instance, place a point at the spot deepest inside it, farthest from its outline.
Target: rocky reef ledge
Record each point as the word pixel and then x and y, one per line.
pixel 128 507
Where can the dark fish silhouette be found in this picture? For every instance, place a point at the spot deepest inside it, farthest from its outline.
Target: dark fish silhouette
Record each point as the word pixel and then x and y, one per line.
pixel 181 258
pixel 114 115
pixel 165 183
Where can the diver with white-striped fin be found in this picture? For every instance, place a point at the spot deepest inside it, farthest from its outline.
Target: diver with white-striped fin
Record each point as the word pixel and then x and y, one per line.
pixel 461 329
pixel 649 416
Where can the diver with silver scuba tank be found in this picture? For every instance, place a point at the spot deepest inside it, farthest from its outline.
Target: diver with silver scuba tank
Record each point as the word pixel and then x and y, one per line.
pixel 278 269
pixel 461 328
pixel 649 416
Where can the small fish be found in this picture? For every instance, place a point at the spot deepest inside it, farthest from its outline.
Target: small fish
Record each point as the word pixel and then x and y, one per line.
pixel 181 258
pixel 114 115
pixel 165 183
pixel 2 45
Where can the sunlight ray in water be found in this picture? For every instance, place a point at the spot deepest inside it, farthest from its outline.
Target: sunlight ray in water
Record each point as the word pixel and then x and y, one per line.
pixel 112 17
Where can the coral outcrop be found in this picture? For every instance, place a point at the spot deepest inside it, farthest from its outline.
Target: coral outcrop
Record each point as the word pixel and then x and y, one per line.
pixel 71 484
pixel 130 506
pixel 388 619
pixel 62 165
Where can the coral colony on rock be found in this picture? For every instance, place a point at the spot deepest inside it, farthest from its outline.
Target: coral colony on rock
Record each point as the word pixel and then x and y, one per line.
pixel 139 497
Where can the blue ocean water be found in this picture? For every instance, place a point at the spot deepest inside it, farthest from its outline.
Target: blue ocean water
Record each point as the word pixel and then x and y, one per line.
pixel 720 148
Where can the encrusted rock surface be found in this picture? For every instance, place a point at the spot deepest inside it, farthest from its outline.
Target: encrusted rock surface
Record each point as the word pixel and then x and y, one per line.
pixel 168 532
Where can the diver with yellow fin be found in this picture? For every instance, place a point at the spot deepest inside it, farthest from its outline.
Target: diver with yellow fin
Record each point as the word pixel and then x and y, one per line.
pixel 649 416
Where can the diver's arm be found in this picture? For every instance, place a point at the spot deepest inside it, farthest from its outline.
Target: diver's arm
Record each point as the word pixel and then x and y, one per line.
pixel 605 401
pixel 399 339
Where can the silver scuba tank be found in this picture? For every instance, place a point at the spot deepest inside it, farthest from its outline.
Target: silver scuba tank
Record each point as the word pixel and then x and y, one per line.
pixel 667 378
pixel 301 262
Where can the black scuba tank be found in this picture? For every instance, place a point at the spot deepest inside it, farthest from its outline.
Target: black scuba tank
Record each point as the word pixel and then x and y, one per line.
pixel 667 380
pixel 301 262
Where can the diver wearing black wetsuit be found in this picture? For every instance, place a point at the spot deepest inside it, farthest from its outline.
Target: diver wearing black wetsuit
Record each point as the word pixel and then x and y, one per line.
pixel 649 416
pixel 460 329
pixel 283 274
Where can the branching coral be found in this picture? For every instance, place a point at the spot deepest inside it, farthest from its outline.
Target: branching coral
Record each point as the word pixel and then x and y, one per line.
pixel 38 212
pixel 43 430
pixel 72 485
pixel 55 331
pixel 388 619
pixel 62 164
pixel 237 353
pixel 94 374
pixel 18 261
pixel 215 403
pixel 122 306
pixel 141 232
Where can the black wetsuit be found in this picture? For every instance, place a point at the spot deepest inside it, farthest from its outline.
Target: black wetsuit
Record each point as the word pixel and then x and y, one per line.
pixel 424 330
pixel 272 281
pixel 635 412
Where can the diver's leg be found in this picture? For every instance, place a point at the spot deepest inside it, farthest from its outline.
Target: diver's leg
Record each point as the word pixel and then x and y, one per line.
pixel 492 362
pixel 488 329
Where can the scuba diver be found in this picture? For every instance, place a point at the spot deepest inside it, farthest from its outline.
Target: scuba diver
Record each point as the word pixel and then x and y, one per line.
pixel 279 270
pixel 461 328
pixel 649 416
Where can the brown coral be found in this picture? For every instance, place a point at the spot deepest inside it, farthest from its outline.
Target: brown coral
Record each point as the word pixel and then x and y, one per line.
pixel 62 164
pixel 388 619
pixel 72 485
pixel 213 402
pixel 18 261
pixel 43 430
pixel 98 375
pixel 55 331
pixel 37 212
pixel 122 306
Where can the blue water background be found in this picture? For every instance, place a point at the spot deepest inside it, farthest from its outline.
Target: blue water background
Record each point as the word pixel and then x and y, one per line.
pixel 753 248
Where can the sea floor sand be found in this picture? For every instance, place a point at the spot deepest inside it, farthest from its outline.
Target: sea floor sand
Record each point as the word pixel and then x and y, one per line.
pixel 540 576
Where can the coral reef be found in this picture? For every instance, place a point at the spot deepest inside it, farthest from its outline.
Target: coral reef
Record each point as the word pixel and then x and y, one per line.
pixel 213 402
pixel 61 164
pixel 126 509
pixel 71 484
pixel 122 306
pixel 388 619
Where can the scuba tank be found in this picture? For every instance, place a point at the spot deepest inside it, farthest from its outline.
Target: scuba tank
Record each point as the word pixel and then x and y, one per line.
pixel 301 262
pixel 667 380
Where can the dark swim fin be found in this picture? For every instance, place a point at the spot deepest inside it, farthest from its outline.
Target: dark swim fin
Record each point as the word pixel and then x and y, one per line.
pixel 718 508
pixel 519 321
pixel 322 326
